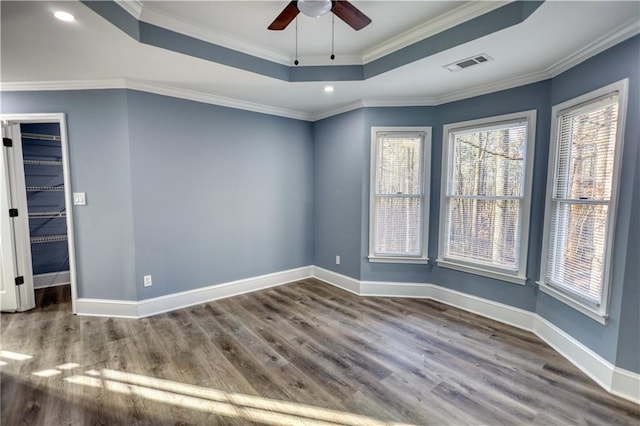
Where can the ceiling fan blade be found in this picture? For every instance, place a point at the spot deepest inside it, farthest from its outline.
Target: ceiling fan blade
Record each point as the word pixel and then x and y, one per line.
pixel 287 15
pixel 350 14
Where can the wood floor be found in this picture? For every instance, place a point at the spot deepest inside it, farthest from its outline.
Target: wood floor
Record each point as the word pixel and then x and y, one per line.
pixel 304 353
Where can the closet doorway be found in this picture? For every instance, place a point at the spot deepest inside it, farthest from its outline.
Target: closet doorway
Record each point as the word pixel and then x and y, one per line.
pixel 36 217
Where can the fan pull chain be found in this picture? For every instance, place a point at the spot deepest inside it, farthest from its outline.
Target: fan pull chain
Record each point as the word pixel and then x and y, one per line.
pixel 333 31
pixel 296 61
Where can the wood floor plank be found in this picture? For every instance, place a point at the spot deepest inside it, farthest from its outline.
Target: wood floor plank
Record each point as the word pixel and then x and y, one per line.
pixel 414 391
pixel 298 368
pixel 367 341
pixel 303 353
pixel 297 352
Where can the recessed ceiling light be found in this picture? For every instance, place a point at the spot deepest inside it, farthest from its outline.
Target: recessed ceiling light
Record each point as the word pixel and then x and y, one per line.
pixel 64 16
pixel 328 89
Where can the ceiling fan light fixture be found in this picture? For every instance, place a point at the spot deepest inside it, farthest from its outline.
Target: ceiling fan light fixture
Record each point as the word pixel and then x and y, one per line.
pixel 314 8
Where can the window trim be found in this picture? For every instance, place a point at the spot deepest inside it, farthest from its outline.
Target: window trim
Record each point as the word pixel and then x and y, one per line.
pixel 599 312
pixel 426 180
pixel 519 276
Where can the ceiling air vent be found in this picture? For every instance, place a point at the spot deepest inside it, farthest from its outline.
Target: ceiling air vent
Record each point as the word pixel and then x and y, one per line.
pixel 469 62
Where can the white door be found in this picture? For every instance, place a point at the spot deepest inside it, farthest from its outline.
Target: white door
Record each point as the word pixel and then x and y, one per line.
pixel 16 287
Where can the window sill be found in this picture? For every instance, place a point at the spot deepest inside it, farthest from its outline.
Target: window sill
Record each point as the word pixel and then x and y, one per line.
pixel 483 272
pixel 399 259
pixel 575 304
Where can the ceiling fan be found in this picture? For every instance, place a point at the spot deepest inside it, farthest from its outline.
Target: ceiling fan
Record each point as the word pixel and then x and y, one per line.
pixel 316 8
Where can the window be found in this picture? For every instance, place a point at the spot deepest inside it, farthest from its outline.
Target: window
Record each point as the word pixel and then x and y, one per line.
pixel 586 140
pixel 486 196
pixel 399 209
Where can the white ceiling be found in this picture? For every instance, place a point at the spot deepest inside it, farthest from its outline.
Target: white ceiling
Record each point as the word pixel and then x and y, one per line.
pixel 243 25
pixel 38 51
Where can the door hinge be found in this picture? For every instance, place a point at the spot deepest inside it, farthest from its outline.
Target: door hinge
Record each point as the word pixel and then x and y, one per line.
pixel 13 212
pixel 19 280
pixel 7 142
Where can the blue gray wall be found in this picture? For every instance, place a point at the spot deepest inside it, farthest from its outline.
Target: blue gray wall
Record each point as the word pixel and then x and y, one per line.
pixel 99 157
pixel 197 195
pixel 190 193
pixel 219 194
pixel 342 146
pixel 339 160
pixel 618 340
pixel 533 96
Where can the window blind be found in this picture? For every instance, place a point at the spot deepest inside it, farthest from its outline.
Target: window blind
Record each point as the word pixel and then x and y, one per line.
pixel 399 194
pixel 580 202
pixel 485 191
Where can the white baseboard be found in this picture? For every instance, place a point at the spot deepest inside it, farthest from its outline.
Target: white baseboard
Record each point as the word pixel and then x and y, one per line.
pixel 620 382
pixel 391 289
pixel 107 308
pixel 617 381
pixel 338 280
pixel 505 314
pixel 477 305
pixel 183 299
pixel 52 279
pixel 590 363
pixel 170 302
pixel 626 384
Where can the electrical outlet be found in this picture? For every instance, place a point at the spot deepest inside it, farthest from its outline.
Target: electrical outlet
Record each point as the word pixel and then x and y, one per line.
pixel 147 281
pixel 337 260
pixel 79 199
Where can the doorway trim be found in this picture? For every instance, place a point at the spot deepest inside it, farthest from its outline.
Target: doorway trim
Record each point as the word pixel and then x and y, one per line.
pixel 59 118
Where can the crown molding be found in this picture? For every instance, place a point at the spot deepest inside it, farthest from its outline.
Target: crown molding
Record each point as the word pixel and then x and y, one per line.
pixel 466 12
pixel 628 30
pixel 435 101
pixel 220 38
pixel 43 86
pixel 207 98
pixel 320 115
pixel 152 87
pixel 133 7
pixel 434 26
pixel 398 102
pixel 493 87
pixel 372 103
